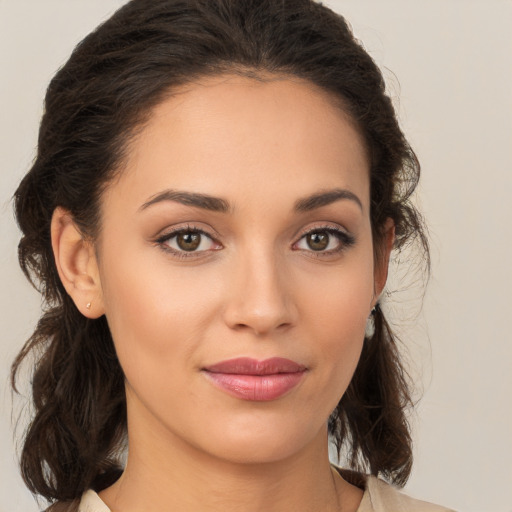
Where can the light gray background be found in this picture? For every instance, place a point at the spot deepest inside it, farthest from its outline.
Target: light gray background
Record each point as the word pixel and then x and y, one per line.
pixel 453 90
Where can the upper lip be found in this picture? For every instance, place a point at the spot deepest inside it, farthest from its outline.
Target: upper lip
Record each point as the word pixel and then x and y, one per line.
pixel 249 366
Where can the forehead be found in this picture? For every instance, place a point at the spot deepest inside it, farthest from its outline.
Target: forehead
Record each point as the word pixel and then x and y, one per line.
pixel 236 135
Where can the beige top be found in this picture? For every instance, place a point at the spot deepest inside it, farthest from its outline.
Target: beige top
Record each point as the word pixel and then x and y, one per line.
pixel 378 496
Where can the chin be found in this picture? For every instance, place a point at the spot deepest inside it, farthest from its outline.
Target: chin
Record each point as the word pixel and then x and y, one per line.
pixel 262 444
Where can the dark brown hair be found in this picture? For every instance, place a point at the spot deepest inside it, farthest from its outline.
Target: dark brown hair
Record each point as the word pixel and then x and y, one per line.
pixel 93 105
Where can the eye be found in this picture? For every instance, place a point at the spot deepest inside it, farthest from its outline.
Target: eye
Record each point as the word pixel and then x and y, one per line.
pixel 188 240
pixel 327 240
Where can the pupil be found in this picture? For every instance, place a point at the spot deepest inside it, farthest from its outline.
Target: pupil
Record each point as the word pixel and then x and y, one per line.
pixel 189 241
pixel 318 241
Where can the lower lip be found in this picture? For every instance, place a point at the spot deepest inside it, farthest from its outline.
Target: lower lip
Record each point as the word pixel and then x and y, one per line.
pixel 259 388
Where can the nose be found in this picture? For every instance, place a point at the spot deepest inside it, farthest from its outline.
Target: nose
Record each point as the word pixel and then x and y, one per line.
pixel 260 296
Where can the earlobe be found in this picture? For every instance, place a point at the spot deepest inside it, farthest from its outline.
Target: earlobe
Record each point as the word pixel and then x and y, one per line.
pixel 76 263
pixel 382 263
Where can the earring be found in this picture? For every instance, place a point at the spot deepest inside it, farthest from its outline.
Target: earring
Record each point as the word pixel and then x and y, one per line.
pixel 88 305
pixel 370 323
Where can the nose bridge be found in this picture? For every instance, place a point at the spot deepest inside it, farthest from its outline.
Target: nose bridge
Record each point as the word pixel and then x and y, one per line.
pixel 260 298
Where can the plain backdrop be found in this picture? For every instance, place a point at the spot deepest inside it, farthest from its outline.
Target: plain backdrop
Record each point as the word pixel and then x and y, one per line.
pixel 448 68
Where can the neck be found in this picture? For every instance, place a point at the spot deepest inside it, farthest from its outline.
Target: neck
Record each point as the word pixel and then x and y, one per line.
pixel 165 473
pixel 300 484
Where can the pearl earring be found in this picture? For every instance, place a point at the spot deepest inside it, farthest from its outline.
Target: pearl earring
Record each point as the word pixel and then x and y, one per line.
pixel 370 322
pixel 88 305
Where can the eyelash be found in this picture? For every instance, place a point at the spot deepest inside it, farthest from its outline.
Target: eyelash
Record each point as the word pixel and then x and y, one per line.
pixel 161 241
pixel 345 239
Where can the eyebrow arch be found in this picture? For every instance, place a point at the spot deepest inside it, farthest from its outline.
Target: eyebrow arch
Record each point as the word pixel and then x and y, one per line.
pixel 217 204
pixel 320 199
pixel 204 201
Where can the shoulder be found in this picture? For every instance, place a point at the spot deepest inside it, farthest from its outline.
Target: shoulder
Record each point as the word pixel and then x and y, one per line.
pixel 383 497
pixel 64 506
pixel 379 496
pixel 90 502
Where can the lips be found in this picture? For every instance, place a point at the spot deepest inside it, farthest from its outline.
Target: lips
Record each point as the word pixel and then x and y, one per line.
pixel 250 379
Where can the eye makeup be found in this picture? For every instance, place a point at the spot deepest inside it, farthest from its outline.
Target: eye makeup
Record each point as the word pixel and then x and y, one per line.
pixel 190 241
pixel 324 241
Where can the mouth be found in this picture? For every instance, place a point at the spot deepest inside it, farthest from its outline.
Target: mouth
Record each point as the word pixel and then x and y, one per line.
pixel 250 379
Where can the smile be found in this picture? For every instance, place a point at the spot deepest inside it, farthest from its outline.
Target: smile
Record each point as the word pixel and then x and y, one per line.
pixel 250 379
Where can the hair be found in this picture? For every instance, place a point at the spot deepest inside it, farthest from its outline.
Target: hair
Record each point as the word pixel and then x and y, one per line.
pixel 94 105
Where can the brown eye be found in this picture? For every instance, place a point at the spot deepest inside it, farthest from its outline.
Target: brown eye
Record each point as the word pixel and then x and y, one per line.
pixel 191 241
pixel 318 240
pixel 188 241
pixel 325 241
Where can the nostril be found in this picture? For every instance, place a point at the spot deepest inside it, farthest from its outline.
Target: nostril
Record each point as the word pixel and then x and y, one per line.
pixel 261 328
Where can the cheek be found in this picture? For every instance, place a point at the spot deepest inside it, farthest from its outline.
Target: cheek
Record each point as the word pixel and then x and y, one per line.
pixel 155 315
pixel 335 310
pixel 338 301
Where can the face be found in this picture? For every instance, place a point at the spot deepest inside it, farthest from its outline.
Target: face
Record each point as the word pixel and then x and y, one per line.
pixel 236 266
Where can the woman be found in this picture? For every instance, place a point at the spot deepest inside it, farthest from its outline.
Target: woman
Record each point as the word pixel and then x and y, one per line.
pixel 218 187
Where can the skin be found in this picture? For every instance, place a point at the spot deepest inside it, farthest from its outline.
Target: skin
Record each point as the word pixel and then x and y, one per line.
pixel 254 288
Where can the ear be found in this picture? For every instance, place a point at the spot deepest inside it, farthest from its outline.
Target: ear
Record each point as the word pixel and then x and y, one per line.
pixel 76 263
pixel 382 261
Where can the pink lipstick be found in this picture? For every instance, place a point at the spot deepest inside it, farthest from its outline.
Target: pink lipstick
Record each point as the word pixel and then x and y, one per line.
pixel 250 379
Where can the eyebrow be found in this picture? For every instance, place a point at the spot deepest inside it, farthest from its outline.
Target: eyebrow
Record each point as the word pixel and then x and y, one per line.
pixel 217 204
pixel 320 199
pixel 204 201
